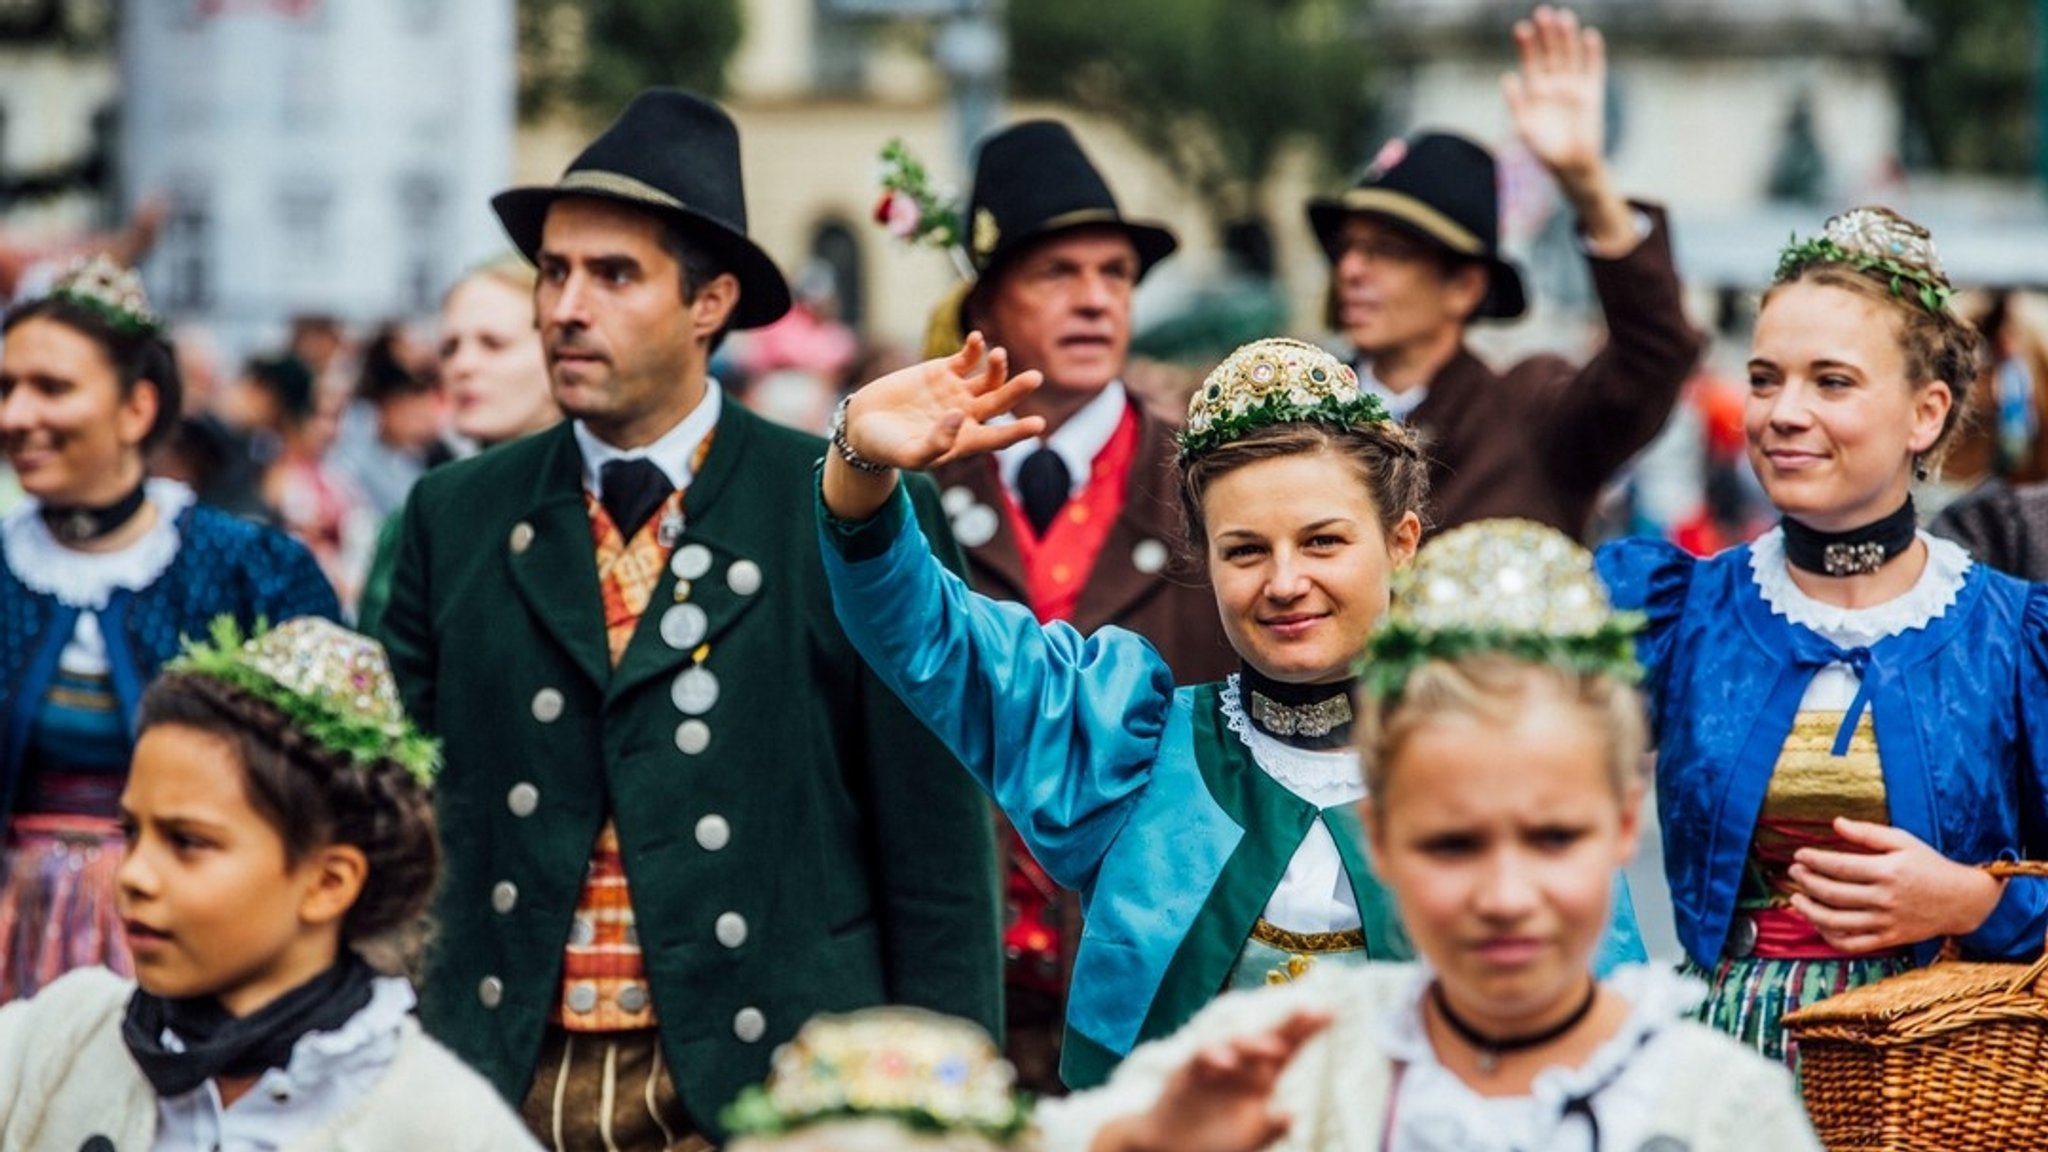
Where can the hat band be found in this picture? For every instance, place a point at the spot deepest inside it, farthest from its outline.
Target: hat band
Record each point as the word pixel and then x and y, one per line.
pixel 1409 210
pixel 1079 218
pixel 616 184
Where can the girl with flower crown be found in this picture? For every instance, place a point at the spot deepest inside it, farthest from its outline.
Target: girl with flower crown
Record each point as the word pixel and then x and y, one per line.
pixel 279 834
pixel 1503 752
pixel 1849 712
pixel 101 572
pixel 1210 829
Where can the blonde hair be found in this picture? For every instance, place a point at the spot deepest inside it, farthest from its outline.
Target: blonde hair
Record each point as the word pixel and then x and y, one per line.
pixel 1496 689
pixel 510 271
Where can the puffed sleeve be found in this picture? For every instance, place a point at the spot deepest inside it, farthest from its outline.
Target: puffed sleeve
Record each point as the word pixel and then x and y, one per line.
pixel 1060 729
pixel 1654 578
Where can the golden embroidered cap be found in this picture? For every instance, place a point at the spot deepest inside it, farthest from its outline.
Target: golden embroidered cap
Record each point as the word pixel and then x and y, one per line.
pixel 933 1072
pixel 1511 586
pixel 1275 381
pixel 334 684
pixel 1880 243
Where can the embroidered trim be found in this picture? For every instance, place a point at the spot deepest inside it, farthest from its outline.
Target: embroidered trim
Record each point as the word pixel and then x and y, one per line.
pixel 87 580
pixel 1318 719
pixel 1307 943
pixel 1930 598
pixel 1321 778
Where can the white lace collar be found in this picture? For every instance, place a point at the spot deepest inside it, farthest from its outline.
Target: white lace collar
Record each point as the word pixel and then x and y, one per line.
pixel 1948 565
pixel 1657 997
pixel 88 579
pixel 1321 778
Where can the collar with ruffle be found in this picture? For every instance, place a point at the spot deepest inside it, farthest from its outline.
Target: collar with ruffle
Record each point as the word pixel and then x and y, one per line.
pixel 88 580
pixel 1324 779
pixel 1948 567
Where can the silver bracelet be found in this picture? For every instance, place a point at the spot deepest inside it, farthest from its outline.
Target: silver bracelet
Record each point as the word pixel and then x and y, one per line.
pixel 845 447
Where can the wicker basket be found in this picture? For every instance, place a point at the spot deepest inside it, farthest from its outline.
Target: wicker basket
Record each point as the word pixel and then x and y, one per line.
pixel 1948 1058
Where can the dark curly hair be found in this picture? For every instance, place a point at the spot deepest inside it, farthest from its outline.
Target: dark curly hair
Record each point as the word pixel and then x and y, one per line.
pixel 136 356
pixel 315 797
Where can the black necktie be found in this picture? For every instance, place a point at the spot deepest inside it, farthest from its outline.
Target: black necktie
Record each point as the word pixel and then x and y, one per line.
pixel 630 491
pixel 1043 484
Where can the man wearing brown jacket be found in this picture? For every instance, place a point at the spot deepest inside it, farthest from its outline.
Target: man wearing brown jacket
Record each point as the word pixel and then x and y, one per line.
pixel 1415 258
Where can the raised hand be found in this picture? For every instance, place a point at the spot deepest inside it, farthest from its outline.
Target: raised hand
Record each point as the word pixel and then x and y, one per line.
pixel 1557 98
pixel 1896 891
pixel 1220 1101
pixel 938 411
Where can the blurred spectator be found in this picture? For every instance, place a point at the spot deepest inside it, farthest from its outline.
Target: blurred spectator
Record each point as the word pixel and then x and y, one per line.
pixel 2004 526
pixel 206 452
pixel 795 369
pixel 394 434
pixel 315 505
pixel 2000 437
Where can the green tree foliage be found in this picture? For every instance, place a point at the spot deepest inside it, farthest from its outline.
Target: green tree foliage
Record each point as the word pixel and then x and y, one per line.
pixel 591 56
pixel 1974 96
pixel 1214 88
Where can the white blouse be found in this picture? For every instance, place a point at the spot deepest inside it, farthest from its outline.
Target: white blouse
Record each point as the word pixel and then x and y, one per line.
pixel 1315 894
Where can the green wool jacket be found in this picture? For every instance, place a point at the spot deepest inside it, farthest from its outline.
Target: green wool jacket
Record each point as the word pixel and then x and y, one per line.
pixel 802 845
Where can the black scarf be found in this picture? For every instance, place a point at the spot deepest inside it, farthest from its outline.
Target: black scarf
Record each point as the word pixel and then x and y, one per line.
pixel 218 1044
pixel 1857 552
pixel 1312 716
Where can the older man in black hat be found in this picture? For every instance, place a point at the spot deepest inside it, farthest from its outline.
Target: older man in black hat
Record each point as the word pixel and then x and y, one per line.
pixel 1082 524
pixel 1415 255
pixel 680 818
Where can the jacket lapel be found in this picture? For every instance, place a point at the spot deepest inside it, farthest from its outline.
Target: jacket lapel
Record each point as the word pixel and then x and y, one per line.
pixel 1147 532
pixel 553 562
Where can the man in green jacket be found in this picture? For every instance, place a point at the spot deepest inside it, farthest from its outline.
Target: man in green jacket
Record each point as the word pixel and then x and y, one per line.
pixel 680 816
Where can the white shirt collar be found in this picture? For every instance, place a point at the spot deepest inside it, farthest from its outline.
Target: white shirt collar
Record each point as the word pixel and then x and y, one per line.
pixel 1399 404
pixel 672 453
pixel 1078 441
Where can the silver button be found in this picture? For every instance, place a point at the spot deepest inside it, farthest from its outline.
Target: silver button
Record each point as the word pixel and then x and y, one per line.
pixel 956 500
pixel 749 1025
pixel 713 833
pixel 690 561
pixel 522 538
pixel 731 929
pixel 547 705
pixel 582 997
pixel 693 737
pixel 490 991
pixel 1148 556
pixel 582 933
pixel 744 577
pixel 1742 936
pixel 683 627
pixel 504 896
pixel 522 799
pixel 976 526
pixel 633 998
pixel 695 691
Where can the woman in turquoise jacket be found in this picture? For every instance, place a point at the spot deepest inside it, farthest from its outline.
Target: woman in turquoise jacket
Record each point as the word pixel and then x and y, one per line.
pixel 1209 829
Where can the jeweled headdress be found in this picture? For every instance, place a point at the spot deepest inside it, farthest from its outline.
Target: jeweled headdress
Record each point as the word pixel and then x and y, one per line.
pixel 110 291
pixel 929 1072
pixel 1879 243
pixel 1510 586
pixel 334 685
pixel 1275 381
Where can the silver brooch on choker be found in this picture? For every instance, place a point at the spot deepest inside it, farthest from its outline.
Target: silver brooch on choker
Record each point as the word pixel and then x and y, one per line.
pixel 1318 719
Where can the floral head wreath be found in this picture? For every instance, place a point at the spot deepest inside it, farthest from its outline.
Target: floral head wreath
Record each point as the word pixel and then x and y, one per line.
pixel 1275 381
pixel 332 684
pixel 1514 587
pixel 111 292
pixel 1879 243
pixel 929 1072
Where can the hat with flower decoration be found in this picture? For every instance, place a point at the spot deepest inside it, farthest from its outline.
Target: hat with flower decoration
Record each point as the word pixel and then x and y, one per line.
pixel 1881 244
pixel 930 1074
pixel 1275 381
pixel 111 291
pixel 332 684
pixel 1514 587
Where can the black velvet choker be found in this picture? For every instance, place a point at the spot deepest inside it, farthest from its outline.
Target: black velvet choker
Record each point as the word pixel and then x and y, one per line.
pixel 1857 552
pixel 78 524
pixel 217 1044
pixel 1492 1048
pixel 1312 716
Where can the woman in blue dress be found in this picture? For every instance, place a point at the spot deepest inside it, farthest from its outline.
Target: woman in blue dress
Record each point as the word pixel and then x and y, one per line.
pixel 1849 712
pixel 1209 829
pixel 104 572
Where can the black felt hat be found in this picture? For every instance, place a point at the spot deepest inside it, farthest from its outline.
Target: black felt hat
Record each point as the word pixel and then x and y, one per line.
pixel 1031 180
pixel 676 154
pixel 1442 188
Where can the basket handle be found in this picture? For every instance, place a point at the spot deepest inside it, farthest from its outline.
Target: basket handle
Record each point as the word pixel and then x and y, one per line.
pixel 1952 947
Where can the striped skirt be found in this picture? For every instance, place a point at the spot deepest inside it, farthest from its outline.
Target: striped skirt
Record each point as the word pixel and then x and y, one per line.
pixel 1746 998
pixel 57 901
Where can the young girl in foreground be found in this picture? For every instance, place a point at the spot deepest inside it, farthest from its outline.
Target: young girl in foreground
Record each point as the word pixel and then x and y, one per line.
pixel 1502 749
pixel 278 827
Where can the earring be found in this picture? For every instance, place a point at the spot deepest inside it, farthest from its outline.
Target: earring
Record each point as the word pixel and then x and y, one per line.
pixel 1920 469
